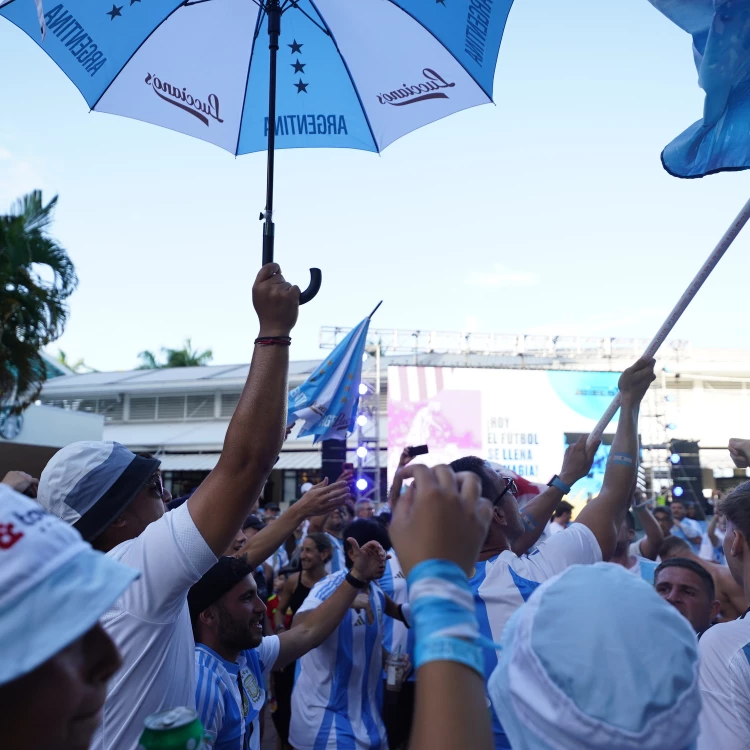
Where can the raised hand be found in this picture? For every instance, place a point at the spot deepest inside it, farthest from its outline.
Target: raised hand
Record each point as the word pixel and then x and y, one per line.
pixel 276 301
pixel 21 482
pixel 578 460
pixel 739 450
pixel 441 515
pixel 323 498
pixel 369 560
pixel 405 458
pixel 634 382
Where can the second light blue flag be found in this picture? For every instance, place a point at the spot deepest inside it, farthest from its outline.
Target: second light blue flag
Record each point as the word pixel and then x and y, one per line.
pixel 719 141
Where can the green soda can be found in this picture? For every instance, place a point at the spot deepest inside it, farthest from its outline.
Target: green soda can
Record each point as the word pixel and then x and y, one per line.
pixel 175 729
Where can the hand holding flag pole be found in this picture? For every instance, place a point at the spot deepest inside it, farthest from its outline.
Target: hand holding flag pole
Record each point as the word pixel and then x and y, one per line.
pixel 729 236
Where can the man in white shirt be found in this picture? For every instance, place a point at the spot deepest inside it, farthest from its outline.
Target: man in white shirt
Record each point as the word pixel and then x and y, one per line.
pixel 684 527
pixel 561 519
pixel 725 648
pixel 505 577
pixel 114 499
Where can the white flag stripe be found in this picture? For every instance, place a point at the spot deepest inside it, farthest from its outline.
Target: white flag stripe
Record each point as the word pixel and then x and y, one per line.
pixel 412 384
pixel 191 73
pixel 431 382
pixel 404 76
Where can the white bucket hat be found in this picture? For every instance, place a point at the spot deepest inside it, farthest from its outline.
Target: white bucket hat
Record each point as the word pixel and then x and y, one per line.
pixel 53 586
pixel 596 660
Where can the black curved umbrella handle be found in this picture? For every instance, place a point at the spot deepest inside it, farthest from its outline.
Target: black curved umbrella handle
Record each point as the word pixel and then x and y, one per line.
pixel 316 279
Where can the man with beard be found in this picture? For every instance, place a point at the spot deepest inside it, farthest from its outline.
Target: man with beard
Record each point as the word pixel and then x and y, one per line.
pixel 233 659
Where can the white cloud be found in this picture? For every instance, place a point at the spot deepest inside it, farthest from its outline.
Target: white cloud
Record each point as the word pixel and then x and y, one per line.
pixel 500 276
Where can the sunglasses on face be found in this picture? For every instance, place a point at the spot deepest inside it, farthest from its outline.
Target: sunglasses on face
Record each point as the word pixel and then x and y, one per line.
pixel 510 486
pixel 156 484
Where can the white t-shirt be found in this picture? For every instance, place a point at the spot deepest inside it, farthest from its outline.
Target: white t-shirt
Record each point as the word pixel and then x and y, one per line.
pixel 337 697
pixel 501 585
pixel 724 681
pixel 554 528
pixel 150 624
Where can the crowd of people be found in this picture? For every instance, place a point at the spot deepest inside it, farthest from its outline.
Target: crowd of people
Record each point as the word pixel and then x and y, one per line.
pixel 472 611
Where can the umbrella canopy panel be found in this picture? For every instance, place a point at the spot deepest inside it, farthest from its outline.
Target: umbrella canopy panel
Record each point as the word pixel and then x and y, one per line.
pixel 351 74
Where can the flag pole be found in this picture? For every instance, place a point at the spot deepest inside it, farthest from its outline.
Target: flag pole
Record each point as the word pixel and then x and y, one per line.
pixel 705 271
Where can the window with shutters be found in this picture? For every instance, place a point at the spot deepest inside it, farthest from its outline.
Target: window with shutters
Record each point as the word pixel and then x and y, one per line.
pixel 142 408
pixel 229 403
pixel 200 406
pixel 170 408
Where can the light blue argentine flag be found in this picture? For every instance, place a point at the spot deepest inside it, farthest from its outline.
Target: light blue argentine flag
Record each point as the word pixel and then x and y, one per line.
pixel 327 401
pixel 721 36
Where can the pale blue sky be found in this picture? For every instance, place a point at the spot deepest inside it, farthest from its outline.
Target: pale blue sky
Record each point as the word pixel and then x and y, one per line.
pixel 549 212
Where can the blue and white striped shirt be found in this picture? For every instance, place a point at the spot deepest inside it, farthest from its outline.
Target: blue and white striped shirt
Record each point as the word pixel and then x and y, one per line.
pixel 503 583
pixel 338 558
pixel 231 717
pixel 337 701
pixel 397 638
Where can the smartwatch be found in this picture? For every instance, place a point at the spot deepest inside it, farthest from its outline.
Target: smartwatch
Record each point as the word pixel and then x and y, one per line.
pixel 558 484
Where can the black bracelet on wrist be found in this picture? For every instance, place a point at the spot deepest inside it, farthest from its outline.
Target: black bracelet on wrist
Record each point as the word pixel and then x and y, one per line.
pixel 352 581
pixel 271 340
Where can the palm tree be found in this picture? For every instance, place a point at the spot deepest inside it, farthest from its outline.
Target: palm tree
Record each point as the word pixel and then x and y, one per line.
pixel 36 279
pixel 185 357
pixel 77 367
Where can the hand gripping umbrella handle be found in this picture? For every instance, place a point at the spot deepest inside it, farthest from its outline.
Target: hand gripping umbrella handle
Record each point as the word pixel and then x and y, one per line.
pixel 729 236
pixel 316 278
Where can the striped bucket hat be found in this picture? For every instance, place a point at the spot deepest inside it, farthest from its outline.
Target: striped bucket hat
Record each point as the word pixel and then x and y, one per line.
pixel 88 484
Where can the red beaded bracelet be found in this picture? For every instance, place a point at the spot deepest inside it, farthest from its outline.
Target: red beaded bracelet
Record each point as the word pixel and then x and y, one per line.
pixel 271 340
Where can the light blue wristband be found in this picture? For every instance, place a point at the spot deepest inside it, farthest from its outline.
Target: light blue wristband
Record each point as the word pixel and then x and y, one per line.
pixel 442 608
pixel 450 649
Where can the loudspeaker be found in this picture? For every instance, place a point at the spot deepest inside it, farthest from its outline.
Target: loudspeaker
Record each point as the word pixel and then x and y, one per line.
pixel 334 456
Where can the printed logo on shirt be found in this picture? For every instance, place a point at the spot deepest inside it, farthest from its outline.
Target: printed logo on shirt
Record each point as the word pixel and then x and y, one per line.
pixel 400 574
pixel 8 535
pixel 252 687
pixel 360 620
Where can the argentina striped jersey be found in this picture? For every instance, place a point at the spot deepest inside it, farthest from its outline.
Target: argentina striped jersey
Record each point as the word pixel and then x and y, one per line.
pixel 336 703
pixel 229 696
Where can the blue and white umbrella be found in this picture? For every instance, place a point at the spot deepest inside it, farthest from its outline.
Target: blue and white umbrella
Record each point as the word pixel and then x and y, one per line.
pixel 351 73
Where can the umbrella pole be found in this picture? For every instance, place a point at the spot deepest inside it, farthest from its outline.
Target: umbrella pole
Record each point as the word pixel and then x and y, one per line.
pixel 273 12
